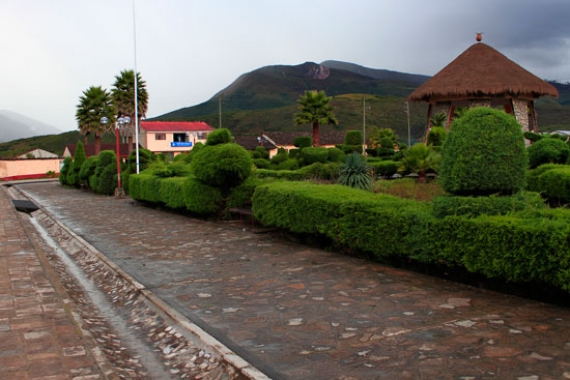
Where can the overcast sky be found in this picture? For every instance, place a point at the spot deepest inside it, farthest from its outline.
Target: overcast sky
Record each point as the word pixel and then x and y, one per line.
pixel 186 51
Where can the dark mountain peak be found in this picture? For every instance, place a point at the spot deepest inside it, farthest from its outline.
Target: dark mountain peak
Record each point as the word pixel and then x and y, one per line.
pixel 317 72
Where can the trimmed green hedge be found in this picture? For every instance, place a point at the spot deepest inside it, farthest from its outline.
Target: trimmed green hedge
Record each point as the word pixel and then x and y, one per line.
pixel 531 245
pixel 447 205
pixel 176 193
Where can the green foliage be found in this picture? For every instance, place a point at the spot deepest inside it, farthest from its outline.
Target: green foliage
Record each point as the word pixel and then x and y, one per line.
pixel 261 163
pixel 67 162
pixel 303 142
pixel 484 153
pixel 219 136
pixel 88 169
pixel 420 159
pixel 548 150
pixel 335 155
pixel 447 205
pixel 288 164
pixel 438 120
pixel 525 246
pixel 74 169
pixel 222 166
pixel 260 152
pixel 349 149
pixel 555 185
pixel 532 136
pixel 317 171
pixel 200 198
pixel 353 137
pixel 316 154
pixel 280 157
pixel 355 173
pixel 107 181
pixel 377 135
pixel 532 175
pixel 436 136
pixel 314 109
pixel 106 159
pixel 384 168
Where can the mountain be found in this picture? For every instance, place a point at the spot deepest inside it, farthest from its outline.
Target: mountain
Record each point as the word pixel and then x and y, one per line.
pixel 382 74
pixel 265 100
pixel 15 126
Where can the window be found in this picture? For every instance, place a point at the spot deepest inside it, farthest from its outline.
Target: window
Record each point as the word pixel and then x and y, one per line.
pixel 160 136
pixel 180 137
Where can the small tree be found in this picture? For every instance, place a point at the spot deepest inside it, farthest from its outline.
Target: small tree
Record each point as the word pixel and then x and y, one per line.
pixel 79 158
pixel 420 159
pixel 315 110
pixel 484 153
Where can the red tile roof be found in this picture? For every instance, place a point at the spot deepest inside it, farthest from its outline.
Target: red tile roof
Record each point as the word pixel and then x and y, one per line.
pixel 175 126
pixel 90 149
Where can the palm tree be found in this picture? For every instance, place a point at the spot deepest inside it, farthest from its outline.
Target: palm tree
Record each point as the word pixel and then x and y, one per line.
pixel 124 99
pixel 94 104
pixel 420 159
pixel 315 110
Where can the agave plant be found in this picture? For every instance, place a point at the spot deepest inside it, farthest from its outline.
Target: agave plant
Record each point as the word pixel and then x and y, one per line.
pixel 355 173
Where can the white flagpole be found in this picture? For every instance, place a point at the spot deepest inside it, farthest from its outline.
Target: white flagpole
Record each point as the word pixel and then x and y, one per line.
pixel 136 90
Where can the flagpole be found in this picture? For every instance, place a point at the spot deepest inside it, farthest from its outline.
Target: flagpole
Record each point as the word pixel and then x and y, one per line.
pixel 136 91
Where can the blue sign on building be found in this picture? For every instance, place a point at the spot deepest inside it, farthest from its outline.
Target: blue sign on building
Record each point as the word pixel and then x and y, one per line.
pixel 176 144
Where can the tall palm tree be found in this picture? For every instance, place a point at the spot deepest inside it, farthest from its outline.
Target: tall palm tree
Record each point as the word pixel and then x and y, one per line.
pixel 94 104
pixel 315 109
pixel 123 93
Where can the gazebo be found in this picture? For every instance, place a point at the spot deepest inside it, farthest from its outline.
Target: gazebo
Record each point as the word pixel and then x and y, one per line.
pixel 481 76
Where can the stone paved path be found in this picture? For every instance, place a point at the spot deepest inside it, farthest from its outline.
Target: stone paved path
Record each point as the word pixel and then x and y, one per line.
pixel 39 336
pixel 302 313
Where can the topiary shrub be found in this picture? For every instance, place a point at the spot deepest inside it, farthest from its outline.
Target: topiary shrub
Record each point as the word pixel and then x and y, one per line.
pixel 280 157
pixel 555 186
pixel 67 162
pixel 107 180
pixel 87 170
pixel 532 182
pixel 353 137
pixel 222 166
pixel 219 136
pixel 288 164
pixel 316 154
pixel 303 142
pixel 548 150
pixel 335 155
pixel 384 168
pixel 484 153
pixel 261 163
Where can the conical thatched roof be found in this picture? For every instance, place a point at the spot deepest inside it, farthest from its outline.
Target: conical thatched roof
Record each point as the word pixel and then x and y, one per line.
pixel 482 72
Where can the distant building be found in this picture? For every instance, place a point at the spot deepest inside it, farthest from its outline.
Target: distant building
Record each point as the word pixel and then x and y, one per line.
pixel 172 136
pixel 69 150
pixel 38 153
pixel 272 141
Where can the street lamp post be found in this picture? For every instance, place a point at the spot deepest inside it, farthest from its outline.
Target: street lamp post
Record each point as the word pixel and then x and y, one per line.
pixel 121 121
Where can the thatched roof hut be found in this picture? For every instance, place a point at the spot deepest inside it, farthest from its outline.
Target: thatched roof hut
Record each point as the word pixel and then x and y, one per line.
pixel 481 76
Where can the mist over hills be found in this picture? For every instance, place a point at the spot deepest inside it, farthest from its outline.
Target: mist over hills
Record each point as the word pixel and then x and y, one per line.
pixel 16 126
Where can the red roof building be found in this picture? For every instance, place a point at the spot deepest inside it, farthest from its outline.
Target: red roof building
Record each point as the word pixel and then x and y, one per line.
pixel 172 136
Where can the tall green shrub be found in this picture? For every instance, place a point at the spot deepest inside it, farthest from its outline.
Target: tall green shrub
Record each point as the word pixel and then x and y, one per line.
pixel 303 142
pixel 484 153
pixel 353 137
pixel 67 162
pixel 219 136
pixel 548 150
pixel 78 160
pixel 222 166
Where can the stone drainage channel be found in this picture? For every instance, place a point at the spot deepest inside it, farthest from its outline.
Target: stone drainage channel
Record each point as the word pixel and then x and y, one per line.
pixel 140 335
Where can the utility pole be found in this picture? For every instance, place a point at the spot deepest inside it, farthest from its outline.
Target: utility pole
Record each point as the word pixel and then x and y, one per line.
pixel 220 109
pixel 408 113
pixel 364 125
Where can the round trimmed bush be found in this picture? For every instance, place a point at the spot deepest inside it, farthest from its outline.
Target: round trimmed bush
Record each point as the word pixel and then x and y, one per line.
pixel 548 151
pixel 222 166
pixel 484 153
pixel 219 136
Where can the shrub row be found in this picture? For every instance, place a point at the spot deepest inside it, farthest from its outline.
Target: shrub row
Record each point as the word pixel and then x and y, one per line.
pixel 531 245
pixel 176 193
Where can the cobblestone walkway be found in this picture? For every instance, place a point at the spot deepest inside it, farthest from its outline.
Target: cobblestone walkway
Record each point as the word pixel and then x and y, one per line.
pixel 39 336
pixel 302 313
